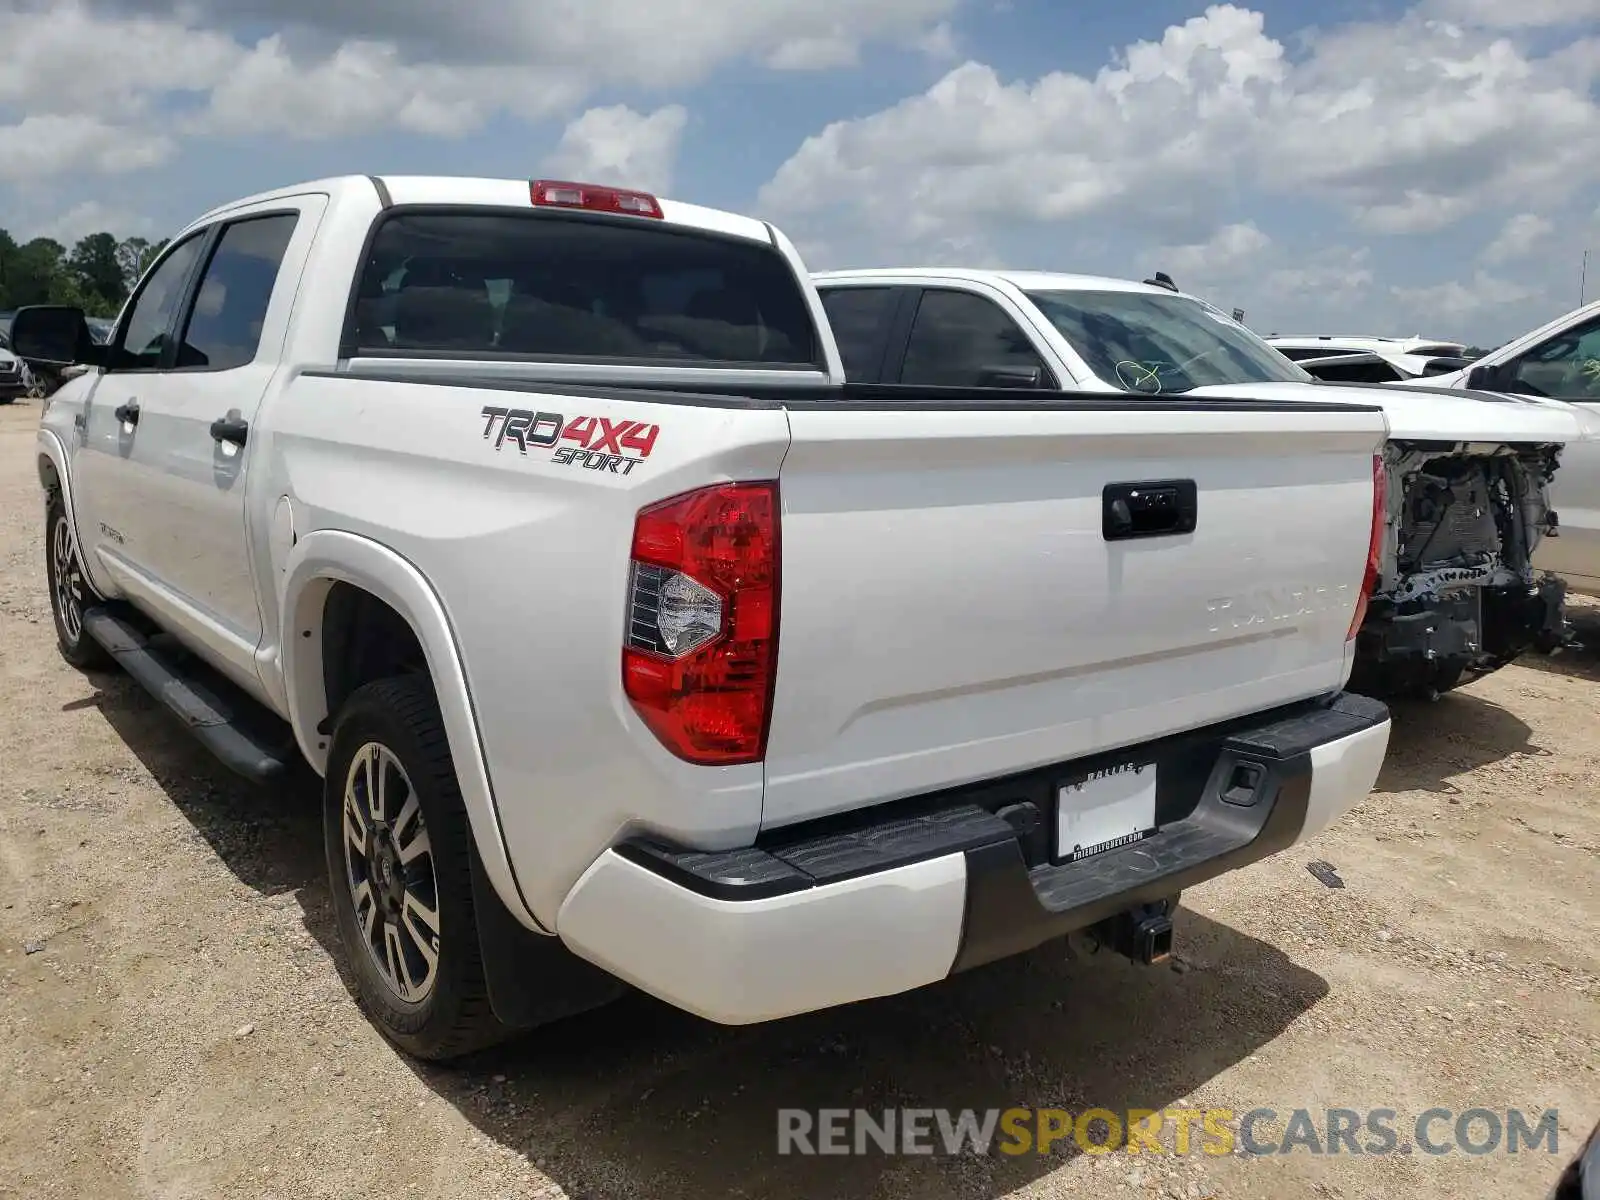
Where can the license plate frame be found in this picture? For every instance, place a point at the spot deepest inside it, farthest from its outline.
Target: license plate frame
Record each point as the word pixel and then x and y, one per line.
pixel 1105 810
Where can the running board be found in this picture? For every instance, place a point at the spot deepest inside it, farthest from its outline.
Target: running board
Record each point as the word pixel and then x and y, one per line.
pixel 247 738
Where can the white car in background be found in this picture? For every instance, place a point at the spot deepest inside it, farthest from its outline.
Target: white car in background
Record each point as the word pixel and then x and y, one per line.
pixel 16 380
pixel 1339 359
pixel 1557 363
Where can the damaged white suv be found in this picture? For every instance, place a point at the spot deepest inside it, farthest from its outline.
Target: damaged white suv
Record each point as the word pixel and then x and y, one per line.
pixel 1453 592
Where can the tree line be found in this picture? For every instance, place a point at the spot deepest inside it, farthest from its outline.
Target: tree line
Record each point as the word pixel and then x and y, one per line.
pixel 96 275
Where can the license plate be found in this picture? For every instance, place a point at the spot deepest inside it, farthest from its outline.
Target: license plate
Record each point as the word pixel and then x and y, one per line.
pixel 1110 808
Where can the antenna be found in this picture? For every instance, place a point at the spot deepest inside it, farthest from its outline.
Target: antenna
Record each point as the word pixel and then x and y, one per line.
pixel 1162 280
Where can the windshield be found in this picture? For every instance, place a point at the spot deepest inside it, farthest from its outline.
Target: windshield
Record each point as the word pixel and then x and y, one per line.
pixel 1141 342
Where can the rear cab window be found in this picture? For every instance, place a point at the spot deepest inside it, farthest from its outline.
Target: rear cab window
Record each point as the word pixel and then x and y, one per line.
pixel 563 286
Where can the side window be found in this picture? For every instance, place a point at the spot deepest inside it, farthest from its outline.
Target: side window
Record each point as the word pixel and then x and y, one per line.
pixel 224 326
pixel 1566 367
pixel 150 319
pixel 860 319
pixel 959 339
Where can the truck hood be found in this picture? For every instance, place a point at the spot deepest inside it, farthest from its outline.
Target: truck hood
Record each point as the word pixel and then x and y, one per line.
pixel 1426 413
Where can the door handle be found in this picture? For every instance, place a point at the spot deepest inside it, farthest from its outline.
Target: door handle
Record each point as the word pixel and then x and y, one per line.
pixel 230 429
pixel 127 413
pixel 1157 508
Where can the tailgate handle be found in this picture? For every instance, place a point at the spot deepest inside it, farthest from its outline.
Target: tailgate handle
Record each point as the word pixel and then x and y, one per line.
pixel 1151 508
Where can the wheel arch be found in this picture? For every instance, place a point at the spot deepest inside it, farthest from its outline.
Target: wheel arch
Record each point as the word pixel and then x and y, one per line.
pixel 54 476
pixel 322 566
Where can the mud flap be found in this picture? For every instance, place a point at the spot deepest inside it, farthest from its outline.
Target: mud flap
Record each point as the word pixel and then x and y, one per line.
pixel 532 978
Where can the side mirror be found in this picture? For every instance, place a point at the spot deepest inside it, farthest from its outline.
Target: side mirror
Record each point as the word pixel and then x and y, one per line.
pixel 54 335
pixel 1488 379
pixel 1010 376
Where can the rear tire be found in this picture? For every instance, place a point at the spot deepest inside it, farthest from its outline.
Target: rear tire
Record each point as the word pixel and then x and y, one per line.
pixel 398 848
pixel 70 591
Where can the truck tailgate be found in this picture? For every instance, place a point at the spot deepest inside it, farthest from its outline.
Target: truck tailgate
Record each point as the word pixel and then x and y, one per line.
pixel 952 608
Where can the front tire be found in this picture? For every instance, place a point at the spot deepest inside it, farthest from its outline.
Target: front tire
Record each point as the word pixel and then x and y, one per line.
pixel 399 866
pixel 70 592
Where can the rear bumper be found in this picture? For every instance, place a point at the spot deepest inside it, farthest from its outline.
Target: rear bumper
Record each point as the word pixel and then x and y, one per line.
pixel 906 894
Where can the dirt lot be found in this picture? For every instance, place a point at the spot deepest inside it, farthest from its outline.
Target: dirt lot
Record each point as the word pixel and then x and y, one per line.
pixel 173 1024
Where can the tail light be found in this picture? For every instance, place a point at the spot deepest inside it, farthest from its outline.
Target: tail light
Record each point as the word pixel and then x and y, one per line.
pixel 1369 578
pixel 701 648
pixel 554 193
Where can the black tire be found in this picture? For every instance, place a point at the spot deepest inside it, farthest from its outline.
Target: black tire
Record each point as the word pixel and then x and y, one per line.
pixel 69 596
pixel 454 1017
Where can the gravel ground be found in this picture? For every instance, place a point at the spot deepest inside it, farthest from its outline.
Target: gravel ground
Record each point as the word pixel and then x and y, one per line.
pixel 173 1022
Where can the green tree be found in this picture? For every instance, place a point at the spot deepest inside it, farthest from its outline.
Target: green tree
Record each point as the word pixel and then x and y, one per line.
pixel 95 269
pixel 35 274
pixel 97 276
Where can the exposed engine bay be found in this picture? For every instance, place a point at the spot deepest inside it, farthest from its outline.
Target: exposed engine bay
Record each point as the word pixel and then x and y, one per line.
pixel 1457 595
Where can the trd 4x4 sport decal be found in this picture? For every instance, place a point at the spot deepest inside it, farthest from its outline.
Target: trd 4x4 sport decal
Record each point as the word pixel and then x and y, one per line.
pixel 600 444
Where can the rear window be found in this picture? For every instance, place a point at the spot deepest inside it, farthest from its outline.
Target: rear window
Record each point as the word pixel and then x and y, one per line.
pixel 502 285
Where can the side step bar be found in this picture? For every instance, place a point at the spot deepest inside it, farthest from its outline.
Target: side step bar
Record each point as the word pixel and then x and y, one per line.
pixel 246 738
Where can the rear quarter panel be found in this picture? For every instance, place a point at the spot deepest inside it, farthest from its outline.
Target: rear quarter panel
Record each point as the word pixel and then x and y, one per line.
pixel 529 556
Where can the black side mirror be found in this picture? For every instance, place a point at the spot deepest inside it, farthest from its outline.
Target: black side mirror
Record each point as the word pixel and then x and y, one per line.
pixel 1010 376
pixel 54 335
pixel 1488 379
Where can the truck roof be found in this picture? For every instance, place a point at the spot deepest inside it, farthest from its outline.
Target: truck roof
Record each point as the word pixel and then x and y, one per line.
pixel 473 191
pixel 1026 280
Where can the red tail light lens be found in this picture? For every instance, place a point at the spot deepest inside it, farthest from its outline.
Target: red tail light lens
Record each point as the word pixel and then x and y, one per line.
pixel 1369 578
pixel 702 640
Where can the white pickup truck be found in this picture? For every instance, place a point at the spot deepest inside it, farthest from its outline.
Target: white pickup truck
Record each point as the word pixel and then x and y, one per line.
pixel 1457 593
pixel 636 648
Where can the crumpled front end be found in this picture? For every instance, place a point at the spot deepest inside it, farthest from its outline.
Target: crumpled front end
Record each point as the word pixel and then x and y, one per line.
pixel 1458 594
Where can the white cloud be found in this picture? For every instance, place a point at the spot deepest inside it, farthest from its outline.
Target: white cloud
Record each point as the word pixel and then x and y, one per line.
pixel 91 216
pixel 42 146
pixel 1141 135
pixel 1408 125
pixel 1454 300
pixel 817 53
pixel 659 43
pixel 1505 14
pixel 1415 211
pixel 1333 277
pixel 1521 234
pixel 620 147
pixel 342 67
pixel 938 42
pixel 68 60
pixel 1225 251
pixel 364 86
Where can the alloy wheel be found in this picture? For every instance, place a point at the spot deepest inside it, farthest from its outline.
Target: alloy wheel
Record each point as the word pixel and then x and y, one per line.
pixel 390 871
pixel 68 580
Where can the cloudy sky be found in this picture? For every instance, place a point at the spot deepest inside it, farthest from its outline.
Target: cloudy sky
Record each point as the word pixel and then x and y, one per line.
pixel 1356 165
